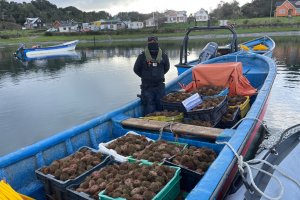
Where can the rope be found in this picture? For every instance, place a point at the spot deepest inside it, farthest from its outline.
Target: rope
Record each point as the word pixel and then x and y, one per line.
pixel 251 118
pixel 247 165
pixel 165 126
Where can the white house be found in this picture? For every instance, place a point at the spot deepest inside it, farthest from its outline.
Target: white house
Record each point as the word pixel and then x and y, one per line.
pixel 68 26
pixel 201 15
pixel 112 25
pixel 135 25
pixel 32 23
pixel 150 22
pixel 175 16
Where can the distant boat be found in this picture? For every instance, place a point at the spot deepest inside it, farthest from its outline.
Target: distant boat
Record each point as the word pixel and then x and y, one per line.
pixel 37 51
pixel 61 54
pixel 263 46
pixel 265 41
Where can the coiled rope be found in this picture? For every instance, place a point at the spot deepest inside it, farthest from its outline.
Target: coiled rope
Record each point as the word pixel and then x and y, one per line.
pixel 245 166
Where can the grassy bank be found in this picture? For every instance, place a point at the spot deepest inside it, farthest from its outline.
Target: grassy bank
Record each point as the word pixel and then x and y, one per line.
pixel 255 25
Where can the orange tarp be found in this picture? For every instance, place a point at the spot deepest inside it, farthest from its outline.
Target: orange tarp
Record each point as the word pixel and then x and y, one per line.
pixel 221 74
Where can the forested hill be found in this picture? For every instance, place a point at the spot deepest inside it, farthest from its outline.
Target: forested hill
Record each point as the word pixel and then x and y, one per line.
pixel 18 12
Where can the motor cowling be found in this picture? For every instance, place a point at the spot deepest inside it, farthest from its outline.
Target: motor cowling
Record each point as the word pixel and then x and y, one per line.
pixel 208 52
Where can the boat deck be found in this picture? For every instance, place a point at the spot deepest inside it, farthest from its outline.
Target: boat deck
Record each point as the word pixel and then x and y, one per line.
pixel 175 128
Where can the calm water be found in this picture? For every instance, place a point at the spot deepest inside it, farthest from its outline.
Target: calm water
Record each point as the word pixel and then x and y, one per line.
pixel 43 97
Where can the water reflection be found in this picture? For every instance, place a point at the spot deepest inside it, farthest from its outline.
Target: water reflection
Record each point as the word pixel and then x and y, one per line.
pixel 283 111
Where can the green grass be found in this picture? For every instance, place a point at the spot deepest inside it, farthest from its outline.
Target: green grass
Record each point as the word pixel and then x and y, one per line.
pixel 166 30
pixel 267 20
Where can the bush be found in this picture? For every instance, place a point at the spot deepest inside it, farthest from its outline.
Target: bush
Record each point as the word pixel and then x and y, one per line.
pixel 245 21
pixel 4 36
pixel 48 34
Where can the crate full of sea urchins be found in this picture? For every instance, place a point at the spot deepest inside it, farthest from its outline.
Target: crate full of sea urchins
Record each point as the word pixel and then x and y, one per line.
pixel 194 162
pixel 66 171
pixel 129 181
pixel 124 146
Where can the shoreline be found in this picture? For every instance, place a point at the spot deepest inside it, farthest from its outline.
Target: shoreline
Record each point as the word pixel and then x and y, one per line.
pixel 171 38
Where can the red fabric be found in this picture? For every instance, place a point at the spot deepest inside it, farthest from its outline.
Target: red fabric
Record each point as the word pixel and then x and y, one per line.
pixel 221 74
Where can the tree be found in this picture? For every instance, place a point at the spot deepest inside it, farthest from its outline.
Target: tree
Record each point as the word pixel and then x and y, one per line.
pixel 227 10
pixel 257 8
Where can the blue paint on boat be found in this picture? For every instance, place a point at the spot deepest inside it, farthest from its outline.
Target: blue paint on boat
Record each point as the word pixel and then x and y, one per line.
pixel 18 168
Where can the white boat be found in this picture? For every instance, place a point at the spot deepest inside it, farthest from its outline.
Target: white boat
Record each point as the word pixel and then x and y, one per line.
pixel 37 51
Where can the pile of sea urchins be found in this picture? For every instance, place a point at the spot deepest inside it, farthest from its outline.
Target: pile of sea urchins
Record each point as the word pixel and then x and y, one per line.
pixel 196 159
pixel 127 180
pixel 129 144
pixel 74 165
pixel 158 151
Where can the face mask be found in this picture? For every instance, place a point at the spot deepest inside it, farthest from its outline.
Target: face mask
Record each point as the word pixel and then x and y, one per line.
pixel 153 46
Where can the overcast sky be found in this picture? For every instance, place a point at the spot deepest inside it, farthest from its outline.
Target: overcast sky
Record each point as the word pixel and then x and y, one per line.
pixel 141 6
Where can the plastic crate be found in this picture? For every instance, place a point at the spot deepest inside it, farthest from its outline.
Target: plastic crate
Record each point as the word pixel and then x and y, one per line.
pixel 131 159
pixel 169 191
pixel 120 158
pixel 56 189
pixel 74 195
pixel 211 114
pixel 244 107
pixel 189 178
pixel 187 120
pixel 222 93
pixel 172 106
pixel 230 123
pixel 177 118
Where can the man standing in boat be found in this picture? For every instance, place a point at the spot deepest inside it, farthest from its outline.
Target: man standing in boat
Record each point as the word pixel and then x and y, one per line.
pixel 151 66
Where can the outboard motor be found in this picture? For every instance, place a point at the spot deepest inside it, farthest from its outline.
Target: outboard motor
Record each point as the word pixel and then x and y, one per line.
pixel 208 52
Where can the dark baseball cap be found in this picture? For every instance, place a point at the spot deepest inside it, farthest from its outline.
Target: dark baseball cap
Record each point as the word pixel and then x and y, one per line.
pixel 152 38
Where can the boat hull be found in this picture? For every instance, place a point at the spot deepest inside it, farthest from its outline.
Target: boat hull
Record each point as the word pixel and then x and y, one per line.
pixel 261 72
pixel 247 152
pixel 47 51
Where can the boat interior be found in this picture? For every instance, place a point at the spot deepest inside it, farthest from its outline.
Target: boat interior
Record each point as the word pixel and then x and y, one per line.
pixel 18 168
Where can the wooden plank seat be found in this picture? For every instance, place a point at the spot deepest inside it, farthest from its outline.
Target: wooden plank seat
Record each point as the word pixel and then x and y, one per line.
pixel 176 128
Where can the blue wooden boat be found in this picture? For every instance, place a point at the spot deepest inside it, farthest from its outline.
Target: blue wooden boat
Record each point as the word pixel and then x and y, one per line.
pixel 18 168
pixel 212 49
pixel 266 41
pixel 37 51
pixel 62 54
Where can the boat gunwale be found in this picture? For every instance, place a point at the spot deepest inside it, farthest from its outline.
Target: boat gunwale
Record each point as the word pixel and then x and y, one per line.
pixel 238 142
pixel 59 46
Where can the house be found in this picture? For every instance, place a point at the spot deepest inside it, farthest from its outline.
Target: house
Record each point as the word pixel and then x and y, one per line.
pixel 69 26
pixel 287 8
pixel 56 24
pixel 32 23
pixel 175 16
pixel 135 25
pixel 96 25
pixel 201 15
pixel 150 22
pixel 112 24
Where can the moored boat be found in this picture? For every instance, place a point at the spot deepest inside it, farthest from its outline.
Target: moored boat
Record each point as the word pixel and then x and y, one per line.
pixel 37 51
pixel 18 168
pixel 263 46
